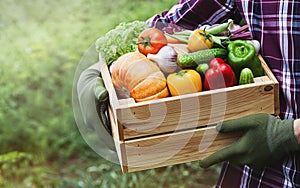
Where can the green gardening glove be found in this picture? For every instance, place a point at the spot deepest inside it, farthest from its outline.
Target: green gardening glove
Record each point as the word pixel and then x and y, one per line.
pixel 265 140
pixel 102 101
pixel 90 104
pixel 93 103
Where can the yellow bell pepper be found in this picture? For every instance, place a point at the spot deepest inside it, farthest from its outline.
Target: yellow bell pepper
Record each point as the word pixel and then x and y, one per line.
pixel 200 40
pixel 184 82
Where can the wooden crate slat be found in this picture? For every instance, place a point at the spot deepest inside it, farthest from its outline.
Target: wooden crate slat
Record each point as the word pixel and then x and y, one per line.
pixel 195 111
pixel 175 148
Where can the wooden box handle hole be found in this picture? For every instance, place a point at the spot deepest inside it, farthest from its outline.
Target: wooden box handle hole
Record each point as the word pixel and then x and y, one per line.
pixel 268 88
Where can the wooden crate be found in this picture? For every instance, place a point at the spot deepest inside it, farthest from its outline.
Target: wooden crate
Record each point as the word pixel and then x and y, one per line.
pixel 180 129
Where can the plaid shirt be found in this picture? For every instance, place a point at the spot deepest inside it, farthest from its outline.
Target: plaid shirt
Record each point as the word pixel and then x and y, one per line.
pixel 276 24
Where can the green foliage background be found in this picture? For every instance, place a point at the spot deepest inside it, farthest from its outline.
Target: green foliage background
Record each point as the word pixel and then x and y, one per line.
pixel 41 43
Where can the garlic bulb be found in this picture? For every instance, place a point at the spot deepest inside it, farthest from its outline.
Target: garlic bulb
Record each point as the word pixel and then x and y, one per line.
pixel 166 59
pixel 256 45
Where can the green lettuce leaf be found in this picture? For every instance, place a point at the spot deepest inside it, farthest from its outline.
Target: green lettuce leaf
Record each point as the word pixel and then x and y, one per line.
pixel 120 40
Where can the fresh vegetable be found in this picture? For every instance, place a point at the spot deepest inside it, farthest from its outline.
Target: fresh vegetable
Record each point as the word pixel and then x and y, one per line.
pixel 240 53
pixel 202 68
pixel 172 40
pixel 256 45
pixel 203 37
pixel 182 36
pixel 166 59
pixel 242 33
pixel 134 75
pixel 151 40
pixel 120 40
pixel 233 27
pixel 191 60
pixel 220 33
pixel 218 28
pixel 256 67
pixel 246 76
pixel 219 75
pixel 243 54
pixel 200 40
pixel 184 82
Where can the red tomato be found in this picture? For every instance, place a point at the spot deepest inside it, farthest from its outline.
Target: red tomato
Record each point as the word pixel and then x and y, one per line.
pixel 151 40
pixel 220 75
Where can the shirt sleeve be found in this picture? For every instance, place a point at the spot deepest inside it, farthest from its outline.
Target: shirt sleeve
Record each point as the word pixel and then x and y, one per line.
pixel 192 14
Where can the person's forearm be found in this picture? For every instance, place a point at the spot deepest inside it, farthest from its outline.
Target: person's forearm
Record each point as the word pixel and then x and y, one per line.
pixel 297 130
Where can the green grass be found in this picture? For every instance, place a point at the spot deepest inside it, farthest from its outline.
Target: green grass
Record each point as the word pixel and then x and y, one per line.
pixel 41 44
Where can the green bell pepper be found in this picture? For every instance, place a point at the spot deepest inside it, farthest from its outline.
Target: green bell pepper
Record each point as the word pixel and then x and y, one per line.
pixel 256 67
pixel 240 53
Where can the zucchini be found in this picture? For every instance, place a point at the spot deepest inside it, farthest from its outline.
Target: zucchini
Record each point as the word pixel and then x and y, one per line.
pixel 191 60
pixel 246 76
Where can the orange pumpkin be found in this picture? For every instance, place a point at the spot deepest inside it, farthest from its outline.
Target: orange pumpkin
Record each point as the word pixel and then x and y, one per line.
pixel 133 75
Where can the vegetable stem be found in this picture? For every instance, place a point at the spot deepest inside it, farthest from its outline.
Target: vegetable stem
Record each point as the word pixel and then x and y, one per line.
pixel 146 42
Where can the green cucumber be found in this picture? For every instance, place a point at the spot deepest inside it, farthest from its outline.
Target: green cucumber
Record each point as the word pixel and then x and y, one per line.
pixel 202 68
pixel 246 76
pixel 191 60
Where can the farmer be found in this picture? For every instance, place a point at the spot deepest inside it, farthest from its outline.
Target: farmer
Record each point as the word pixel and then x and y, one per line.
pixel 267 155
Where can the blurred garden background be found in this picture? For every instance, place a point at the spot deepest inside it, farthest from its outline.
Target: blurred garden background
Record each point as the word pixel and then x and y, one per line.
pixel 41 44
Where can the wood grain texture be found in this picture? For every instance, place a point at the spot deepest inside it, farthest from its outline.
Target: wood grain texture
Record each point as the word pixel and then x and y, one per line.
pixel 174 148
pixel 269 73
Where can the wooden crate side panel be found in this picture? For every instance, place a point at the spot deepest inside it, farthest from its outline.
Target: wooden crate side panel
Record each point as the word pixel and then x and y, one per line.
pixel 276 85
pixel 113 98
pixel 114 102
pixel 174 148
pixel 120 148
pixel 197 110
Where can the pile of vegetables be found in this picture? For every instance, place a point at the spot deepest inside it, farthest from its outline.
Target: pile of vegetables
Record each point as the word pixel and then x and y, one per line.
pixel 146 65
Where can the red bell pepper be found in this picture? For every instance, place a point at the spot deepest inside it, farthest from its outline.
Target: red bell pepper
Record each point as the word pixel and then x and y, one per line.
pixel 219 75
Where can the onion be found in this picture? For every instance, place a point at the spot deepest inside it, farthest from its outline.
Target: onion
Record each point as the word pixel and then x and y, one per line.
pixel 233 27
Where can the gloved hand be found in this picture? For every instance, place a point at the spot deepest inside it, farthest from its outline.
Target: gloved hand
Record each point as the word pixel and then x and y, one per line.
pixel 265 140
pixel 101 95
pixel 93 98
pixel 91 113
pixel 90 104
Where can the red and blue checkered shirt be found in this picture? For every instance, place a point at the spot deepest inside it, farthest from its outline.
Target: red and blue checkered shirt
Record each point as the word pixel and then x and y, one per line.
pixel 276 24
